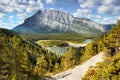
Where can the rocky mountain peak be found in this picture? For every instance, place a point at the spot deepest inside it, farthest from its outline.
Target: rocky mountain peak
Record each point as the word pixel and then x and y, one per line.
pixel 56 21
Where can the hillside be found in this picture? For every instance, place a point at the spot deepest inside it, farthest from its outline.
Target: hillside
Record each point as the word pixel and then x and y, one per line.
pixel 21 59
pixel 109 68
pixel 17 56
pixel 52 21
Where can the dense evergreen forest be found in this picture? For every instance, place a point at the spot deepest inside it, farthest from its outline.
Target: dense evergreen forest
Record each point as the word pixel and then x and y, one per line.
pixel 21 59
pixel 17 57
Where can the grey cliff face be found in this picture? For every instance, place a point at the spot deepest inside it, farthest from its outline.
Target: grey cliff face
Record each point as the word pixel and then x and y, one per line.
pixel 50 21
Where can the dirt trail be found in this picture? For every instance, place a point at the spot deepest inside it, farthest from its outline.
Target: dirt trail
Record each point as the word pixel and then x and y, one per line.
pixel 79 71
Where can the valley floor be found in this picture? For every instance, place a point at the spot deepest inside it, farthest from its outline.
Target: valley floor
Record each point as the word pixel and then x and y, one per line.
pixel 79 71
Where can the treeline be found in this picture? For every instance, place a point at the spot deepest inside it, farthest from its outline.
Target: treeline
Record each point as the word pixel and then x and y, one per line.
pixel 58 36
pixel 109 69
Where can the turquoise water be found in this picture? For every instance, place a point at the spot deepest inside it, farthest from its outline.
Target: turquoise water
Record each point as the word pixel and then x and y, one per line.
pixel 88 41
pixel 58 50
pixel 62 50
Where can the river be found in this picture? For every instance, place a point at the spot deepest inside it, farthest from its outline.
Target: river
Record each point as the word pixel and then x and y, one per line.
pixel 64 49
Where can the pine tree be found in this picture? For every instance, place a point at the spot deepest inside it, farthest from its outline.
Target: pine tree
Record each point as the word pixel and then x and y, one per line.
pixel 41 66
pixel 69 59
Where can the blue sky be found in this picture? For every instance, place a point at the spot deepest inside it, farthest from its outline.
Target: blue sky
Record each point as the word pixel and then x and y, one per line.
pixel 14 12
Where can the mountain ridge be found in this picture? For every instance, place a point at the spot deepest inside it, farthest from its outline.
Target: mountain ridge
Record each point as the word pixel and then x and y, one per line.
pixel 52 21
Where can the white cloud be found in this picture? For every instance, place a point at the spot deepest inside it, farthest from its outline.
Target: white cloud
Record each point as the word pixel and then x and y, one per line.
pixel 4 25
pixel 22 16
pixel 50 1
pixel 103 11
pixel 30 10
pixel 19 7
pixel 1 21
pixel 32 2
pixel 80 1
pixel 61 9
pixel 88 3
pixel 2 15
pixel 83 13
pixel 98 17
pixel 52 9
pixel 111 7
pixel 111 2
pixel 107 20
pixel 11 17
pixel 118 17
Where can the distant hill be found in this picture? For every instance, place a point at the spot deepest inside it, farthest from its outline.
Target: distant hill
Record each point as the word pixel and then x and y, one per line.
pixel 52 21
pixel 108 26
pixel 7 32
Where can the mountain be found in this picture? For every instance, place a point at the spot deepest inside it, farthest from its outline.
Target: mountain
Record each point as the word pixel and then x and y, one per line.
pixel 108 26
pixel 52 21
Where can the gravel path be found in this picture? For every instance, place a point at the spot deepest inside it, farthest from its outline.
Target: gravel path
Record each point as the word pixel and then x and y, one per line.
pixel 79 71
